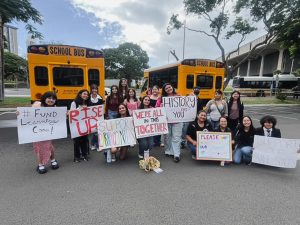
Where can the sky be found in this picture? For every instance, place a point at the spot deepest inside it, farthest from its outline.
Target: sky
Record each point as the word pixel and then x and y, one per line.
pixel 107 23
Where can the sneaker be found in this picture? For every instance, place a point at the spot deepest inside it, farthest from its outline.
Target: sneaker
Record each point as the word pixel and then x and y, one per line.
pixel 248 163
pixel 76 160
pixel 93 148
pixel 141 157
pixel 222 163
pixel 85 158
pixel 176 159
pixel 113 157
pixel 41 169
pixel 182 145
pixel 193 157
pixel 162 145
pixel 54 165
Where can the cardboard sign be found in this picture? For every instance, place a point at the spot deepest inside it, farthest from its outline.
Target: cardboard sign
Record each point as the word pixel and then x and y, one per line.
pixel 150 122
pixel 214 146
pixel 180 108
pixel 41 124
pixel 84 121
pixel 116 133
pixel 278 152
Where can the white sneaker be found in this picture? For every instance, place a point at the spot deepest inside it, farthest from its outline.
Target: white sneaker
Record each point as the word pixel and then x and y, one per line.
pixel 141 157
pixel 113 157
pixel 93 147
pixel 222 163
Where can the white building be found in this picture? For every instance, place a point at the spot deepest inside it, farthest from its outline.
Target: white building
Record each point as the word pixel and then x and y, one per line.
pixel 11 37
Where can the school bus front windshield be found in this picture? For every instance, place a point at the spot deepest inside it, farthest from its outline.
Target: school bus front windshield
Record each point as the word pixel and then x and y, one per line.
pixel 187 74
pixel 65 70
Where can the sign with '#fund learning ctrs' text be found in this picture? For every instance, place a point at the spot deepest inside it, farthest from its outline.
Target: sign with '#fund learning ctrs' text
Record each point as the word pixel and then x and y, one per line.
pixel 41 124
pixel 180 108
pixel 116 133
pixel 150 122
pixel 84 121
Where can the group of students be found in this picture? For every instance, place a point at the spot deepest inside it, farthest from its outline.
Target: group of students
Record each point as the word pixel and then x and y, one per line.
pixel 217 115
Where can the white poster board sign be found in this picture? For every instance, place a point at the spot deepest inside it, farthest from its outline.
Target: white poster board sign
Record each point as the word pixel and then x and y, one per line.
pixel 278 152
pixel 150 122
pixel 180 108
pixel 214 146
pixel 84 121
pixel 41 123
pixel 116 133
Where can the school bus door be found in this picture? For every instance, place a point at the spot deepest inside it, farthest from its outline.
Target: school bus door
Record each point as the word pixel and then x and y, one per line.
pixel 67 80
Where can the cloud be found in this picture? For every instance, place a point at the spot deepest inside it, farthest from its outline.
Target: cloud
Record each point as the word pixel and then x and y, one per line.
pixel 145 23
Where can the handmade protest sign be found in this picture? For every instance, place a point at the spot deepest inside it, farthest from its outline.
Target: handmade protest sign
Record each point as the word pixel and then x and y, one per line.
pixel 180 108
pixel 116 133
pixel 278 152
pixel 41 124
pixel 214 146
pixel 150 122
pixel 84 121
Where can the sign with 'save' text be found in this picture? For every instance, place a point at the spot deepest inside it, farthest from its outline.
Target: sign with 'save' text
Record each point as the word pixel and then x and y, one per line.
pixel 116 133
pixel 150 122
pixel 180 108
pixel 84 121
pixel 41 123
pixel 278 152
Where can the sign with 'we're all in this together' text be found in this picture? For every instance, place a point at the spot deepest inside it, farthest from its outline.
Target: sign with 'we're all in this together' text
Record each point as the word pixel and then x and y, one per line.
pixel 84 121
pixel 180 108
pixel 278 152
pixel 116 133
pixel 41 123
pixel 214 146
pixel 150 122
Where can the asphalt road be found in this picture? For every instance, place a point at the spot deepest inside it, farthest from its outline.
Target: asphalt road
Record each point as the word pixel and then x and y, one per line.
pixel 190 192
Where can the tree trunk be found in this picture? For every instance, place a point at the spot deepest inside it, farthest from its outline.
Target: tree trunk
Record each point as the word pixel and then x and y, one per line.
pixel 1 61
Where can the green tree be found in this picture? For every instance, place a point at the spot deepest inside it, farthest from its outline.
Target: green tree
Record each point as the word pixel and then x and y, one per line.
pixel 128 60
pixel 15 67
pixel 274 14
pixel 20 10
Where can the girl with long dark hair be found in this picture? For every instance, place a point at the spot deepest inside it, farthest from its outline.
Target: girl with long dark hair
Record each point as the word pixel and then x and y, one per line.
pixel 81 143
pixel 235 110
pixel 112 103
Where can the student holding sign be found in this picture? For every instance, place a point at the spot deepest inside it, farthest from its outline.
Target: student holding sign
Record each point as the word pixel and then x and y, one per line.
pixel 267 128
pixel 81 143
pixel 173 138
pixel 200 124
pixel 44 150
pixel 122 113
pixel 146 143
pixel 243 139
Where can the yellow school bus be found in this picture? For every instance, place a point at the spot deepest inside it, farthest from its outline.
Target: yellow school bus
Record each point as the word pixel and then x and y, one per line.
pixel 65 70
pixel 187 74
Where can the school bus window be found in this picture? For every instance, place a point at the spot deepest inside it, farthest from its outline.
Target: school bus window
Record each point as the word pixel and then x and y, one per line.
pixel 41 75
pixel 190 81
pixel 145 86
pixel 67 76
pixel 205 81
pixel 218 82
pixel 164 76
pixel 93 76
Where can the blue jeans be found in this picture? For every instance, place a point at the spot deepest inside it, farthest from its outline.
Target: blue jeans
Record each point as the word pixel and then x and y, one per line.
pixel 242 154
pixel 215 124
pixel 173 139
pixel 192 148
pixel 112 114
pixel 145 143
